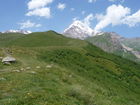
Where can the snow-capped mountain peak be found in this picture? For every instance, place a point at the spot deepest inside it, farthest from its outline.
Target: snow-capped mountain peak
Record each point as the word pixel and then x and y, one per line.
pixel 78 30
pixel 17 31
pixel 81 26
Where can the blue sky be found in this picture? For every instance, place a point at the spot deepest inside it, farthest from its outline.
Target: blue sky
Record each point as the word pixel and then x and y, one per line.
pixel 121 16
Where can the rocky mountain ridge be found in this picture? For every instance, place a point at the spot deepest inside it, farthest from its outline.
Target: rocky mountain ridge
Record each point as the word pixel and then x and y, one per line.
pixel 108 41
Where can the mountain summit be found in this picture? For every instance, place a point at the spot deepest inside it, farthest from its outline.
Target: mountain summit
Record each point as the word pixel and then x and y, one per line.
pixel 78 30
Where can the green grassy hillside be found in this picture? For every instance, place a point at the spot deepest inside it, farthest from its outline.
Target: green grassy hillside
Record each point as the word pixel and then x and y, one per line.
pixel 54 70
pixel 43 39
pixel 8 37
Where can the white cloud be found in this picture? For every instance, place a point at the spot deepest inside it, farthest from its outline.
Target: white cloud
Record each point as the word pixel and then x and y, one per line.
pixel 88 19
pixel 119 15
pixel 91 1
pixel 34 4
pixel 42 12
pixel 99 17
pixel 61 6
pixel 133 19
pixel 39 8
pixel 114 16
pixel 28 24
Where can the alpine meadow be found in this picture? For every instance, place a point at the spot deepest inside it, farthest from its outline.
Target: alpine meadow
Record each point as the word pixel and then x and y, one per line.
pixel 74 54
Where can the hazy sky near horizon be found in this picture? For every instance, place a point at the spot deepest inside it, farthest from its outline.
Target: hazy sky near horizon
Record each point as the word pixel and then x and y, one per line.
pixel 121 16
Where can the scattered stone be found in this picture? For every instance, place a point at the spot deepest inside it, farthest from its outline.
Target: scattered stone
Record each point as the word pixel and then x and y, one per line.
pixel 22 69
pixel 28 68
pixel 49 66
pixel 70 76
pixel 38 67
pixel 32 72
pixel 16 71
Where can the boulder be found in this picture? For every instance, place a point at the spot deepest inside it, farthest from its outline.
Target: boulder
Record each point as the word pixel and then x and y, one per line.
pixel 8 60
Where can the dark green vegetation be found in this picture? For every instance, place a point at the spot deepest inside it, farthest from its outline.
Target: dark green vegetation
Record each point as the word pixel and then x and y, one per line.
pixel 113 44
pixel 54 70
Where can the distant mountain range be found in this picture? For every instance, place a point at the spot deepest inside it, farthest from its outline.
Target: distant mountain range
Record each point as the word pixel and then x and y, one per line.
pixel 17 31
pixel 108 41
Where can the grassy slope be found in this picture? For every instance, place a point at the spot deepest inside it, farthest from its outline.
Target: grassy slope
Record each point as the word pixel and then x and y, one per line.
pixel 8 37
pixel 43 39
pixel 79 74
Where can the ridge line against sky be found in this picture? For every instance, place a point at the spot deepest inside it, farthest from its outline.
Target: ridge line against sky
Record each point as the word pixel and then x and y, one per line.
pixel 121 16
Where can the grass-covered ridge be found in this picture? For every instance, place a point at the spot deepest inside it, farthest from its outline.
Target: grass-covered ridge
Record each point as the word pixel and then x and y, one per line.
pixel 54 70
pixel 6 38
pixel 43 39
